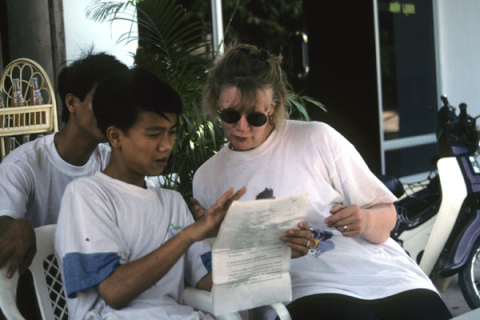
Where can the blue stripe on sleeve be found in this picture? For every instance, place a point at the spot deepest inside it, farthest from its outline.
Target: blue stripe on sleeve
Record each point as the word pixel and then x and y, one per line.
pixel 207 260
pixel 82 271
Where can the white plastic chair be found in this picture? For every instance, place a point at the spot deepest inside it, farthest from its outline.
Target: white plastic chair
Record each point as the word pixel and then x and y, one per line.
pixel 51 296
pixel 201 299
pixel 46 279
pixel 8 291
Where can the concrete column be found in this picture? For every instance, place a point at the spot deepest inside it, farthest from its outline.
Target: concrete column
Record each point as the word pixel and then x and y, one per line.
pixel 29 32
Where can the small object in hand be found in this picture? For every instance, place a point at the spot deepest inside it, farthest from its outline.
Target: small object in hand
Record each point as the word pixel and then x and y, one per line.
pixel 312 243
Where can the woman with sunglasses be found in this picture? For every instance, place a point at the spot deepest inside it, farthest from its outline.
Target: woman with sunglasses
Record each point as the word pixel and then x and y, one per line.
pixel 353 269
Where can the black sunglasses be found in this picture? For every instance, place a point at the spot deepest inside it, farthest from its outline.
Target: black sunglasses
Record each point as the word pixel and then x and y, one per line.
pixel 256 119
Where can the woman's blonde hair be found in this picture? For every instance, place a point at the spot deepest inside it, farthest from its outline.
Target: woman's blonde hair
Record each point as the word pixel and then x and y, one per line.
pixel 248 69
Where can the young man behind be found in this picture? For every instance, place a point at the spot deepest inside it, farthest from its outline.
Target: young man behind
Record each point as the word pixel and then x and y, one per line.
pixel 126 249
pixel 34 176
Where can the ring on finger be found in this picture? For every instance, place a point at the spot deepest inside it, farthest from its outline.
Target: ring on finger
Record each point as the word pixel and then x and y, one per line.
pixel 345 228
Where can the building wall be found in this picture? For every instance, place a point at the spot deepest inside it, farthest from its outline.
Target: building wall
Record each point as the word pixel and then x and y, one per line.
pixel 458 36
pixel 82 34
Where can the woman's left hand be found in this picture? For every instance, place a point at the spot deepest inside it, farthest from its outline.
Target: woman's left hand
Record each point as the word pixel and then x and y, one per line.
pixel 374 223
pixel 300 240
pixel 349 220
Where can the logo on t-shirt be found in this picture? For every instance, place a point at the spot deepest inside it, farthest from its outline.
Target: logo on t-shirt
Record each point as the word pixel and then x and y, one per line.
pixel 265 194
pixel 173 230
pixel 324 243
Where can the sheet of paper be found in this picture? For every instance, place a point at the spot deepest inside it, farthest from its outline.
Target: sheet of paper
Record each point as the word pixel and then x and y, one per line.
pixel 250 262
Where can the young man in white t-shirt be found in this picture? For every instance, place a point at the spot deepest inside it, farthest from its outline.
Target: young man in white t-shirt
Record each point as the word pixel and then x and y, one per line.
pixel 125 249
pixel 34 176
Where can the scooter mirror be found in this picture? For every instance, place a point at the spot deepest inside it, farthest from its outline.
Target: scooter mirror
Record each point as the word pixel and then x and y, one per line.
pixel 296 55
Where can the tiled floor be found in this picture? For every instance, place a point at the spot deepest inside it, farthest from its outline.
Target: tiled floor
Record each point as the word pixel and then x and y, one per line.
pixel 454 299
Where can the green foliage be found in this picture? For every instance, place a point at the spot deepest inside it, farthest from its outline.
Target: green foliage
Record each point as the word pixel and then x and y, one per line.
pixel 172 44
pixel 172 47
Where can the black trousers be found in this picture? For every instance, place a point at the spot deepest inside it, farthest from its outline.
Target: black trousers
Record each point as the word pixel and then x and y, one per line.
pixel 409 305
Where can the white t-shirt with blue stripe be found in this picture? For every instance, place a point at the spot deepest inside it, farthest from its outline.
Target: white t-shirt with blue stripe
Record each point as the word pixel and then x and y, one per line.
pixel 105 222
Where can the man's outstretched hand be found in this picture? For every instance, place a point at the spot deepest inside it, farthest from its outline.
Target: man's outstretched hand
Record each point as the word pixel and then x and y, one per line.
pixel 208 224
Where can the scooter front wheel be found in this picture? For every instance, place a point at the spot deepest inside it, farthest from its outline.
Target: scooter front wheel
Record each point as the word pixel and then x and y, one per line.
pixel 469 278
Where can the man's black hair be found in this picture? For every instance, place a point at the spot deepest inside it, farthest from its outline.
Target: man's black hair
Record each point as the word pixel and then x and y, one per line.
pixel 84 74
pixel 121 98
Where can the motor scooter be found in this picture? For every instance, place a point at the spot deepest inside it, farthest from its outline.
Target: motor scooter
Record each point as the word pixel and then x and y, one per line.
pixel 438 219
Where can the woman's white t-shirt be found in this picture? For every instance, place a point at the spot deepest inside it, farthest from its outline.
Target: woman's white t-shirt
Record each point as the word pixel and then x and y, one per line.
pixel 313 158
